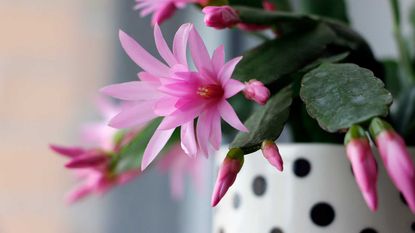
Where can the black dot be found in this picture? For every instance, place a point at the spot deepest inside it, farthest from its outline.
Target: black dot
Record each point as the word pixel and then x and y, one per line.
pixel 301 167
pixel 236 201
pixel 259 185
pixel 322 214
pixel 413 226
pixel 403 199
pixel 351 169
pixel 276 230
pixel 368 230
pixel 221 230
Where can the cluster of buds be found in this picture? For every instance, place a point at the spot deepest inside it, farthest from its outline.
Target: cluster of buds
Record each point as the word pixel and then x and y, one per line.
pixel 394 154
pixel 233 163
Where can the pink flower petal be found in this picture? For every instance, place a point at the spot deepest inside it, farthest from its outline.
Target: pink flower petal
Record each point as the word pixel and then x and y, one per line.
pixel 135 115
pixel 203 131
pixel 216 131
pixel 180 117
pixel 141 57
pixel 188 139
pixel 134 90
pixel 199 52
pixel 147 77
pixel 229 115
pixel 87 161
pixel 79 193
pixel 165 106
pixel 226 72
pixel 163 13
pixel 180 43
pixel 177 184
pixel 156 144
pixel 218 58
pixel 232 88
pixel 162 47
pixel 67 151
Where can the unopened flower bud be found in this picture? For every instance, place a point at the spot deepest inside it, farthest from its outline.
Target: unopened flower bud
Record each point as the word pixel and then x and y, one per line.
pixel 396 159
pixel 272 154
pixel 256 91
pixel 363 164
pixel 221 17
pixel 227 174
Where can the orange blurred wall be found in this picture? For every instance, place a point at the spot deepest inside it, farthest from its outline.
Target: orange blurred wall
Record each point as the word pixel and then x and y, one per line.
pixel 54 54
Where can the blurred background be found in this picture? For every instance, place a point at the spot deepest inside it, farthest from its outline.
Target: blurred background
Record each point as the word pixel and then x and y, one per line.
pixel 54 55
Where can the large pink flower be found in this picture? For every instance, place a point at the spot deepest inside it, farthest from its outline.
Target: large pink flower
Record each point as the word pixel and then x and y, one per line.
pixel 178 95
pixel 147 102
pixel 161 9
pixel 203 95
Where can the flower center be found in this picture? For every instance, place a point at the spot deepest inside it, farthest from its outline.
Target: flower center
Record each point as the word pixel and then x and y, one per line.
pixel 210 91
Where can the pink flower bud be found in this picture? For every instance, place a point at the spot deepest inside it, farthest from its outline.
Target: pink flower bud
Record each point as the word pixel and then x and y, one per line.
pixel 221 17
pixel 256 91
pixel 91 159
pixel 363 163
pixel 67 151
pixel 227 174
pixel 396 159
pixel 269 6
pixel 272 154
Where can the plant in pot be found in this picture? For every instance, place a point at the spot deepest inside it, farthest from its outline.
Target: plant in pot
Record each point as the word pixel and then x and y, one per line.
pixel 315 75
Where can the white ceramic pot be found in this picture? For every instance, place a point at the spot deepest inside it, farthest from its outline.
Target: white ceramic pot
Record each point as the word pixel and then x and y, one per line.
pixel 315 193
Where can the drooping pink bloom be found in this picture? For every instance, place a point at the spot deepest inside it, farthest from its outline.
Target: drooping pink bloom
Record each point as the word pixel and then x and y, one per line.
pixel 363 163
pixel 95 182
pixel 227 175
pixel 272 154
pixel 161 9
pixel 178 95
pixel 179 165
pixel 220 17
pixel 92 166
pixel 203 95
pixel 396 159
pixel 256 91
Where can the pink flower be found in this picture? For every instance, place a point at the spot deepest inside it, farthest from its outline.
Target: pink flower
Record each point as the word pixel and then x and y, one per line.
pixel 161 9
pixel 227 174
pixel 178 95
pixel 178 164
pixel 220 17
pixel 93 167
pixel 272 154
pixel 363 164
pixel 256 91
pixel 396 159
pixel 203 95
pixel 148 102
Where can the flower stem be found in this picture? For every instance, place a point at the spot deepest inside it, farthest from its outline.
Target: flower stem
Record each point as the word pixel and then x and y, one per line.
pixel 400 41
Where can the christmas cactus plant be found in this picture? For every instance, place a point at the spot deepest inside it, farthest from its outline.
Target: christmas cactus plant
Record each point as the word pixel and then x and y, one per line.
pixel 315 76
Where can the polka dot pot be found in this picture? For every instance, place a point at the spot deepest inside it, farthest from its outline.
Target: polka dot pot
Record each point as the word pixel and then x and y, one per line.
pixel 315 193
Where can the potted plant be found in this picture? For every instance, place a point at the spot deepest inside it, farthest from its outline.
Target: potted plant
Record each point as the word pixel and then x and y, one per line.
pixel 316 76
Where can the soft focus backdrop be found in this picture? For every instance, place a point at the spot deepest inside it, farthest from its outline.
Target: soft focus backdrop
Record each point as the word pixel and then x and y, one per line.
pixel 54 55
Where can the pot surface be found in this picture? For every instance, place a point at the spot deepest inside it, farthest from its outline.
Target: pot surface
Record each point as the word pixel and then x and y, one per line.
pixel 315 193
